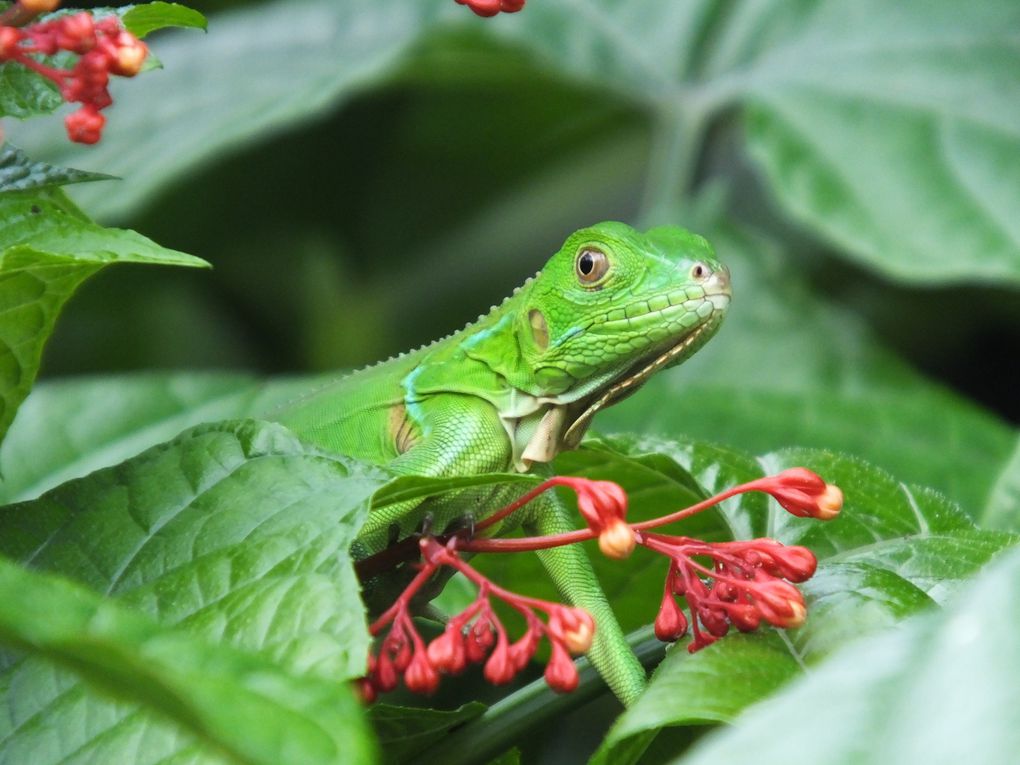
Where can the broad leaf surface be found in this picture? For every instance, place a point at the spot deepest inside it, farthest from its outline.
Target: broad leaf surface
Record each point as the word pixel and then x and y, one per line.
pixel 242 705
pixel 47 249
pixel 237 532
pixel 68 428
pixel 935 690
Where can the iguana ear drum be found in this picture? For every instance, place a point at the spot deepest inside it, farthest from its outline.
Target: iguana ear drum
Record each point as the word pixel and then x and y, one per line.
pixel 539 329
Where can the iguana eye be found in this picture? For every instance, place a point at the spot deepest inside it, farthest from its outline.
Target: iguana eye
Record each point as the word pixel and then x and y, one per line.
pixel 591 265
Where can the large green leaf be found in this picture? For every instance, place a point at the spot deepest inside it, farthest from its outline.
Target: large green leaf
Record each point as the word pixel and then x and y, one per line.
pixel 47 249
pixel 69 428
pixel 237 532
pixel 239 704
pixel 865 115
pixel 939 689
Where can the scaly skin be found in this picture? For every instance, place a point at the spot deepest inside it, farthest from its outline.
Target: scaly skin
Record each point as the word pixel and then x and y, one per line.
pixel 521 384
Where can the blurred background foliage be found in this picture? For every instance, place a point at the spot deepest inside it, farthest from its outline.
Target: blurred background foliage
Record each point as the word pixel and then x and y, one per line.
pixel 367 176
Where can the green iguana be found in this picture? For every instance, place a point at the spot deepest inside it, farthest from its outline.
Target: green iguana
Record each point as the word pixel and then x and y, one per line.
pixel 522 383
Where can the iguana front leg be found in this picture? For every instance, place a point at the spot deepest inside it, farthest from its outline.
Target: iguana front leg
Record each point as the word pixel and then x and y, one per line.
pixel 572 572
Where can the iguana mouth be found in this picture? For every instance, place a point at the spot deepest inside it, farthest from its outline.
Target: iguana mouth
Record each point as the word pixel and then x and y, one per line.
pixel 633 379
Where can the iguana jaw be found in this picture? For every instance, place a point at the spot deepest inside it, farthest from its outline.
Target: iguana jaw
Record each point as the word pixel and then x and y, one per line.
pixel 637 376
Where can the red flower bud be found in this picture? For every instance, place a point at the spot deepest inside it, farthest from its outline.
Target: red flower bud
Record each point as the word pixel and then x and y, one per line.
pixel 523 649
pixel 421 676
pixel 384 676
pixel 670 623
pixel 447 653
pixel 560 672
pixel 744 616
pixel 484 8
pixel 9 39
pixel 714 620
pixel 574 627
pixel 780 603
pixel 795 563
pixel 77 33
pixel 804 494
pixel 131 53
pixel 365 690
pixel 479 640
pixel 500 669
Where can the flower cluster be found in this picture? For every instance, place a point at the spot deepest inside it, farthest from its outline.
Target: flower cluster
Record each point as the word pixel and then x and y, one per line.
pixel 745 584
pixel 492 7
pixel 103 48
pixel 750 582
pixel 473 636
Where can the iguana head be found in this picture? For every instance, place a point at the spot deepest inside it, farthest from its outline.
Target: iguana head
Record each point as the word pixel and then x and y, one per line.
pixel 615 305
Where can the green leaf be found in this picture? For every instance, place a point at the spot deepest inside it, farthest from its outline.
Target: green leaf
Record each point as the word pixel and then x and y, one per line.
pixel 19 173
pixel 142 20
pixel 238 532
pixel 24 93
pixel 405 732
pixel 235 703
pixel 862 115
pixel 893 551
pixel 47 249
pixel 937 689
pixel 68 428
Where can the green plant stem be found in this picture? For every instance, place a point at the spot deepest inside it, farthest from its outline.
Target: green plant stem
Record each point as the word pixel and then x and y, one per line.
pixel 508 720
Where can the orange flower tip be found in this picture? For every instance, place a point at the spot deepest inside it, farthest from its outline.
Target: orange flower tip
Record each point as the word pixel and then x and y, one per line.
pixel 579 640
pixel 797 617
pixel 617 540
pixel 830 502
pixel 39 6
pixel 131 53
